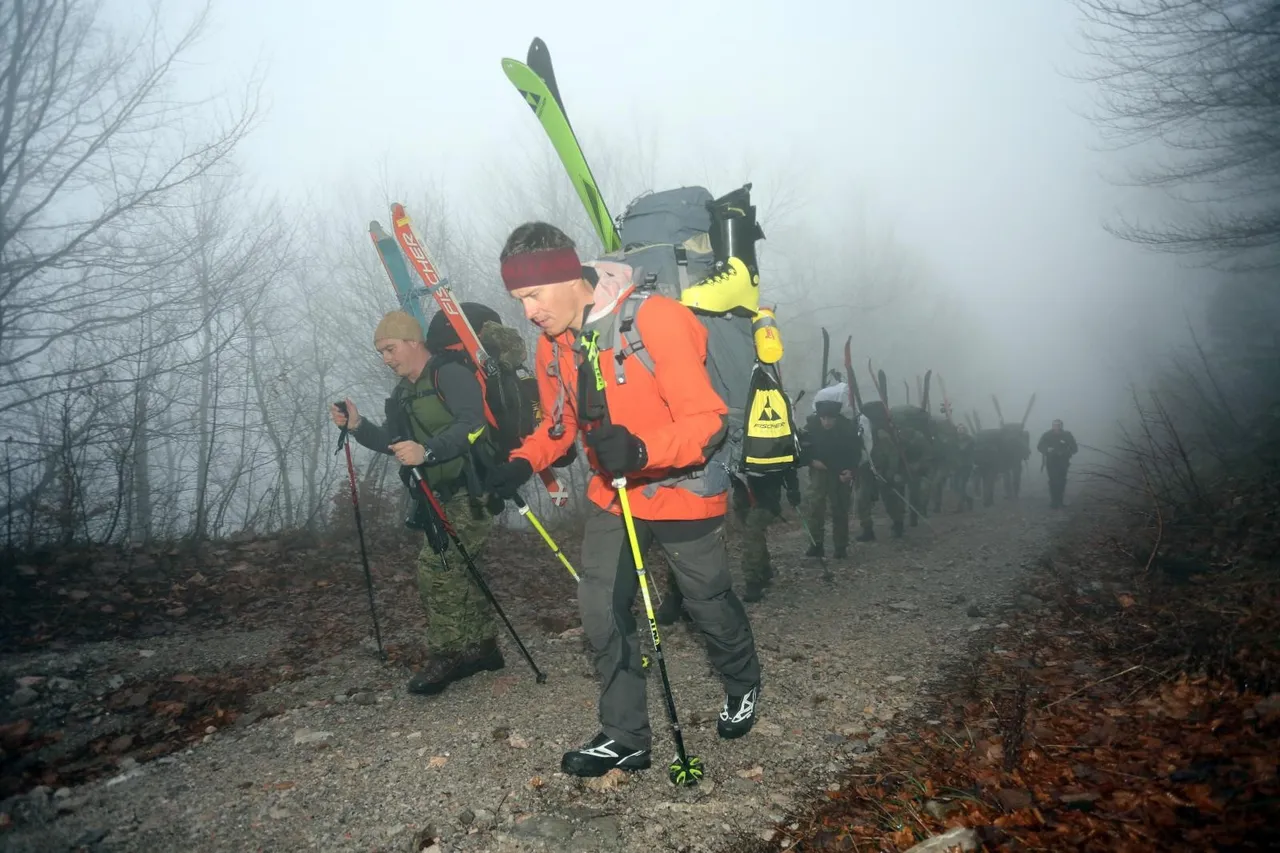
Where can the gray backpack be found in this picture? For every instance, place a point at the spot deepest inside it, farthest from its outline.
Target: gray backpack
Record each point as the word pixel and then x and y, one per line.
pixel 666 241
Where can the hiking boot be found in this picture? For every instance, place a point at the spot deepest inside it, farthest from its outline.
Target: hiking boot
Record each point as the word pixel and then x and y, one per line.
pixel 868 534
pixel 814 551
pixel 753 592
pixel 767 580
pixel 897 530
pixel 671 610
pixel 600 755
pixel 445 668
pixel 840 554
pixel 738 714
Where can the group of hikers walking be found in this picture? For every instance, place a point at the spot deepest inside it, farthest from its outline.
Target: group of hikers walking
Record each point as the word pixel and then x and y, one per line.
pixel 657 362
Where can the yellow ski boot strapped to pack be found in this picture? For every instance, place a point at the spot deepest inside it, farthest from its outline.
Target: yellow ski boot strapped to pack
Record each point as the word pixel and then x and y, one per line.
pixel 735 289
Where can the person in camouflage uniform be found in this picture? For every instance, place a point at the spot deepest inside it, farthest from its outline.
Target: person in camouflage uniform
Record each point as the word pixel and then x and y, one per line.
pixel 912 428
pixel 757 503
pixel 436 439
pixel 880 475
pixel 962 466
pixel 831 447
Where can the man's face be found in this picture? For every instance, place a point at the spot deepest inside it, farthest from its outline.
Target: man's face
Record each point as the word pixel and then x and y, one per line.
pixel 827 421
pixel 551 307
pixel 1057 426
pixel 399 355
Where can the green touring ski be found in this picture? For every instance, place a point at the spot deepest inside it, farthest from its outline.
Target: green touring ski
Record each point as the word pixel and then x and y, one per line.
pixel 542 96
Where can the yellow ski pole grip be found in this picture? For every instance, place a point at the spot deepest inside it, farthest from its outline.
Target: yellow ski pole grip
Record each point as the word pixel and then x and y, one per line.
pixel 524 510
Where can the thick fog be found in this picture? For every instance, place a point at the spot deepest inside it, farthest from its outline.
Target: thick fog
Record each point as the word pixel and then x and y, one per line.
pixel 953 130
pixel 930 179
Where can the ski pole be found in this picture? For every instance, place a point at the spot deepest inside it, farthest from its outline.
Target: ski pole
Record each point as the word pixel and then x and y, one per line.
pixel 685 769
pixel 542 531
pixel 539 675
pixel 344 443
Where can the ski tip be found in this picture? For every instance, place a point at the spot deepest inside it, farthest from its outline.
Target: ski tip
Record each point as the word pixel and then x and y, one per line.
pixel 376 229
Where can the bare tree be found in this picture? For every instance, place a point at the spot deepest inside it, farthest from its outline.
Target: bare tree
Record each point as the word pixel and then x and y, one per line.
pixel 92 149
pixel 1200 79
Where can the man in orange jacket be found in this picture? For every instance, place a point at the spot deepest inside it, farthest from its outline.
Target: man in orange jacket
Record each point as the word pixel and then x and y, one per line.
pixel 660 429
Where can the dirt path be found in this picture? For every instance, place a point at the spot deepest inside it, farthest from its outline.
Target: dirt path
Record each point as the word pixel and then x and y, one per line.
pixel 342 759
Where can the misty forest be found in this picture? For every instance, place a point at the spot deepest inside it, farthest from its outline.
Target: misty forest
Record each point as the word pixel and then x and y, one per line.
pixel 993 567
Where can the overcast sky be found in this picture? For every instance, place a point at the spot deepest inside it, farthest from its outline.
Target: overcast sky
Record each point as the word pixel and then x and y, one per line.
pixel 954 118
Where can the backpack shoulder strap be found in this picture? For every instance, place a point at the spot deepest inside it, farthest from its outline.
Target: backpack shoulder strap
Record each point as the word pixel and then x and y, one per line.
pixel 627 326
pixel 439 360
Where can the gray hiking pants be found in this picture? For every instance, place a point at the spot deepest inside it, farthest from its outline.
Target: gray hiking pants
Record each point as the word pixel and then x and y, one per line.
pixel 607 595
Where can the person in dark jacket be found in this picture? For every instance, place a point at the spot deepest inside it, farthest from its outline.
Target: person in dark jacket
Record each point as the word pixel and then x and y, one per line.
pixel 436 439
pixel 1057 446
pixel 832 447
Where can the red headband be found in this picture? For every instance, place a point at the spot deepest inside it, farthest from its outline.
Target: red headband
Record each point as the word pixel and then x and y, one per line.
pixel 549 266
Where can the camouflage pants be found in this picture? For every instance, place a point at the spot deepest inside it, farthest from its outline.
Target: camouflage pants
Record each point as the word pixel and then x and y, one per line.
pixel 755 512
pixel 869 489
pixel 825 488
pixel 458 614
pixel 918 502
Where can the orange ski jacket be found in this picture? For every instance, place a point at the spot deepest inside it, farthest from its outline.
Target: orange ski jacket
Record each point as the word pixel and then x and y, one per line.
pixel 674 410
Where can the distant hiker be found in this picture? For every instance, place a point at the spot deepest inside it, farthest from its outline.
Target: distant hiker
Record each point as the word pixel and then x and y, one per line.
pixel 757 503
pixel 657 429
pixel 461 633
pixel 1057 446
pixel 880 474
pixel 831 447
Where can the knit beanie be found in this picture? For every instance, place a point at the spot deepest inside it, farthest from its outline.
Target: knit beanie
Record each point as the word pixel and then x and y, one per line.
pixel 398 325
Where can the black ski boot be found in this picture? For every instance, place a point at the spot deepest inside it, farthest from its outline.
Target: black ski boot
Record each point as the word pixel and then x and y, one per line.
pixel 868 534
pixel 738 714
pixel 753 592
pixel 600 755
pixel 815 551
pixel 444 669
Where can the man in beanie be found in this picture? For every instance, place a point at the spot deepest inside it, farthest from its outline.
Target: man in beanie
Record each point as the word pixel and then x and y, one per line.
pixel 832 447
pixel 657 427
pixel 436 439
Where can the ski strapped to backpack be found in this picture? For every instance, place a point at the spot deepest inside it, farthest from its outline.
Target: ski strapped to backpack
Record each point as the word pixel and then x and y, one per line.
pixel 505 421
pixel 699 250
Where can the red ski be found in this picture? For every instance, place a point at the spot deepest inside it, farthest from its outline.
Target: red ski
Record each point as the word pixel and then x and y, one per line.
pixel 420 260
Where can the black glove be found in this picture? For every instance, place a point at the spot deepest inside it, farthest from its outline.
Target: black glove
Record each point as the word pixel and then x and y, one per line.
pixel 617 450
pixel 423 517
pixel 792 485
pixel 568 459
pixel 506 479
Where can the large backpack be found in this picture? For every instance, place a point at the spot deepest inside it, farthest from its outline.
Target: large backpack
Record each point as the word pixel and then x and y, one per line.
pixel 666 240
pixel 511 396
